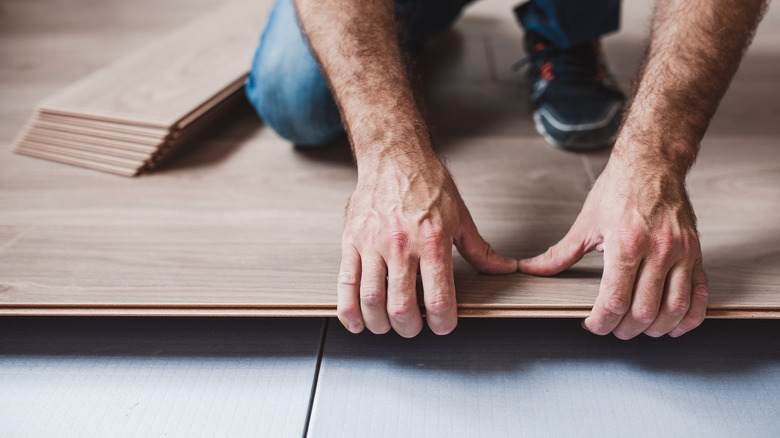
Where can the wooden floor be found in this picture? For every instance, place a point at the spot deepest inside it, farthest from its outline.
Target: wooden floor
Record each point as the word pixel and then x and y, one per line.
pixel 244 224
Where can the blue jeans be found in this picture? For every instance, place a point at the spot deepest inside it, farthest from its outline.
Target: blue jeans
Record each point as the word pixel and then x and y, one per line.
pixel 290 94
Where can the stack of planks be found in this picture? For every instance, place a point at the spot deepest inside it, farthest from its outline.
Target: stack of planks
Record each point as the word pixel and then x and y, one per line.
pixel 127 117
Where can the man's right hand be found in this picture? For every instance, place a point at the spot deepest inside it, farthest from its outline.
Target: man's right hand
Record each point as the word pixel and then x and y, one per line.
pixel 401 219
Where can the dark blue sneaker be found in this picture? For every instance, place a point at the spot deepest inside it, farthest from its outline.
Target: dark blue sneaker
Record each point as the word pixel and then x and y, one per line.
pixel 577 104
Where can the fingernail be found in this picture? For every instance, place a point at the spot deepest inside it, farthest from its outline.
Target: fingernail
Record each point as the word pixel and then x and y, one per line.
pixel 676 332
pixel 355 326
pixel 509 260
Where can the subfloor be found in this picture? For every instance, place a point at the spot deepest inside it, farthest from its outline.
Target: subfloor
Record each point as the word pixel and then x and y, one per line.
pixel 223 224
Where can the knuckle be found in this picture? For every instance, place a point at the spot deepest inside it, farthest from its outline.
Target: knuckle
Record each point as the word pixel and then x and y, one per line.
pixel 401 310
pixel 617 305
pixel 689 245
pixel 664 246
pixel 347 279
pixel 372 296
pixel 439 304
pixel 701 291
pixel 349 238
pixel 645 314
pixel 399 240
pixel 434 235
pixel 631 243
pixel 552 253
pixel 678 306
pixel 487 250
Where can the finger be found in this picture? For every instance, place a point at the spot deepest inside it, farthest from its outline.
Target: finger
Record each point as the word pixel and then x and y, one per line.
pixel 700 293
pixel 402 305
pixel 479 253
pixel 558 257
pixel 441 311
pixel 676 301
pixel 646 301
pixel 617 285
pixel 372 294
pixel 349 289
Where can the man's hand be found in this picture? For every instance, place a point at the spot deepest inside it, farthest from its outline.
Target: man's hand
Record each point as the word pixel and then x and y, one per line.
pixel 402 219
pixel 405 213
pixel 653 279
pixel 638 211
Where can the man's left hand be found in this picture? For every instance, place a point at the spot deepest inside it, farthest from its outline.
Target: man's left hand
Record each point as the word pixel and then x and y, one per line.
pixel 639 215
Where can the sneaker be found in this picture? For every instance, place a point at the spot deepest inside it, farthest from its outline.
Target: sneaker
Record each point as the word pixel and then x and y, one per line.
pixel 577 104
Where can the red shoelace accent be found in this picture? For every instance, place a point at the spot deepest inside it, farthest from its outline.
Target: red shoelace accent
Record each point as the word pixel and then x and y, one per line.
pixel 547 73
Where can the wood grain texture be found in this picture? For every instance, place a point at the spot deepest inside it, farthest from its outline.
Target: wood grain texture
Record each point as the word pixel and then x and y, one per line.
pixel 81 162
pixel 166 81
pixel 76 124
pixel 179 84
pixel 259 235
pixel 243 224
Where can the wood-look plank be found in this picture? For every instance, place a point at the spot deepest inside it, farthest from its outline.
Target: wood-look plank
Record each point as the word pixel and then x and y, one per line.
pixel 64 144
pixel 86 133
pixel 234 239
pixel 76 123
pixel 244 224
pixel 76 153
pixel 70 139
pixel 164 82
pixel 89 164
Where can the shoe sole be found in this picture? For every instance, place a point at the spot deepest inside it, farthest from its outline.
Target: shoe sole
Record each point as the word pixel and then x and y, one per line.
pixel 581 137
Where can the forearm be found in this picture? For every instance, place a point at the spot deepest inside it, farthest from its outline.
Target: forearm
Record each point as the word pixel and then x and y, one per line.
pixel 356 45
pixel 695 49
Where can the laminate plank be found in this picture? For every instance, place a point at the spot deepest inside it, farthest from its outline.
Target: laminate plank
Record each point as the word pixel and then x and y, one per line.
pixel 62 144
pixel 86 133
pixel 93 156
pixel 89 164
pixel 234 236
pixel 75 123
pixel 69 139
pixel 244 224
pixel 509 378
pixel 163 83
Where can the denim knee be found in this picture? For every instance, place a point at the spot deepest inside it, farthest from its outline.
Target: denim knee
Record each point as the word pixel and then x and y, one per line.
pixel 286 86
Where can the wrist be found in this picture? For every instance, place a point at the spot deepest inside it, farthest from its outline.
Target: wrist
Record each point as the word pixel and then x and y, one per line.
pixel 399 154
pixel 667 159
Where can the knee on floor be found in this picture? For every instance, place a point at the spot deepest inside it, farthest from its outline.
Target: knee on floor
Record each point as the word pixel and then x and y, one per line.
pixel 294 101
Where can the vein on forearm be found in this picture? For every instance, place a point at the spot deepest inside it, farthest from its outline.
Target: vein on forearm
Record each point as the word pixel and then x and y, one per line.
pixel 694 51
pixel 356 45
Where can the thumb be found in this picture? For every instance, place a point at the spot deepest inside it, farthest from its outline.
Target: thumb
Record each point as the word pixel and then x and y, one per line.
pixel 558 257
pixel 480 254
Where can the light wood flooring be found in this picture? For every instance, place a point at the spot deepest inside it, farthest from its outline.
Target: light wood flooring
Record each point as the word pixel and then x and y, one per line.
pixel 244 224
